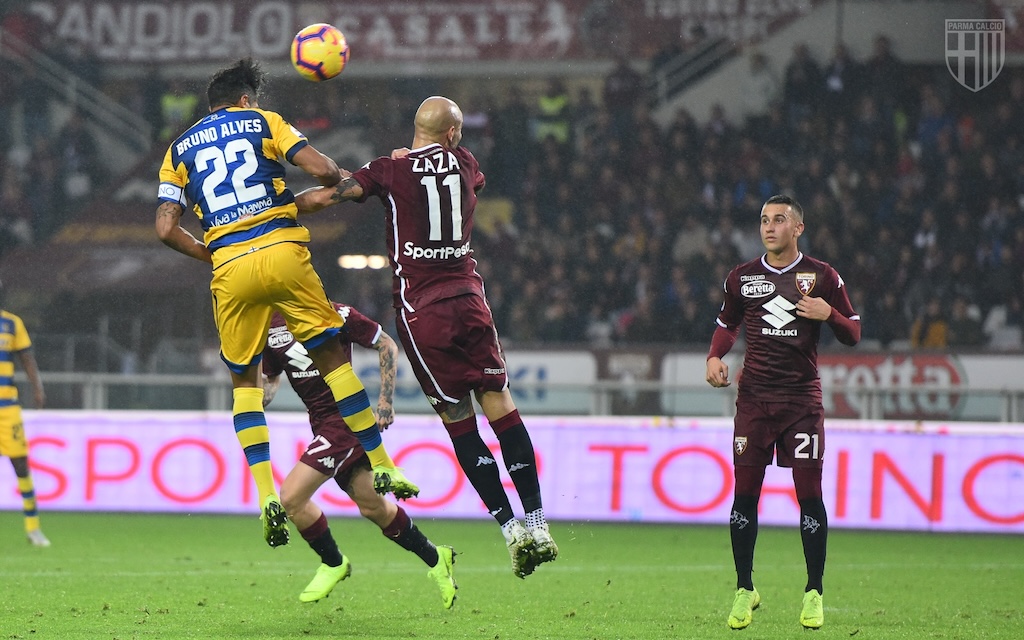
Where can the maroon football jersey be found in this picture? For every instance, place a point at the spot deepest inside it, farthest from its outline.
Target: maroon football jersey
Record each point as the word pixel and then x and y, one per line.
pixel 782 348
pixel 430 196
pixel 284 355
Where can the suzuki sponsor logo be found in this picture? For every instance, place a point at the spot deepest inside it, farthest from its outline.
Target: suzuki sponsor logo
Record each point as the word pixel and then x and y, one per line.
pixel 298 357
pixel 778 315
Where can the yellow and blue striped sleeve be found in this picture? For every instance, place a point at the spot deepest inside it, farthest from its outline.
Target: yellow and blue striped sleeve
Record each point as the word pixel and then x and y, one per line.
pixel 286 138
pixel 172 180
pixel 21 339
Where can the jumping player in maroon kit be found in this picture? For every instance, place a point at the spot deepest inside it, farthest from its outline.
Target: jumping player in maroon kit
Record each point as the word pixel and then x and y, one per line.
pixel 782 298
pixel 335 452
pixel 443 320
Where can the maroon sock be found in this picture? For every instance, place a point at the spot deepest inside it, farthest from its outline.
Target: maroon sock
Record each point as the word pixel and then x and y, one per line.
pixel 407 535
pixel 319 537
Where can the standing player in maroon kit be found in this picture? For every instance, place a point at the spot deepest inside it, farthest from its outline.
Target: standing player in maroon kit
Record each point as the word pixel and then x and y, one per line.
pixel 336 452
pixel 443 321
pixel 782 298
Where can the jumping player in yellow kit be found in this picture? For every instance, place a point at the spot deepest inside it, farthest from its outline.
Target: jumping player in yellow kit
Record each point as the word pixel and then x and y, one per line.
pixel 14 340
pixel 229 165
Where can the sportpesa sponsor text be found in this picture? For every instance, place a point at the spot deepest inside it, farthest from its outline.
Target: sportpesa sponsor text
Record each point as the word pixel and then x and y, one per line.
pixel 435 253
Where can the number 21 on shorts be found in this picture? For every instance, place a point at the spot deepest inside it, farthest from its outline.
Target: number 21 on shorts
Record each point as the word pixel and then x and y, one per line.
pixel 807 440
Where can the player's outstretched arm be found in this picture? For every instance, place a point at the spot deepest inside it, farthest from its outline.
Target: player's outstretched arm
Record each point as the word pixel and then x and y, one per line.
pixel 316 164
pixel 387 351
pixel 316 198
pixel 172 234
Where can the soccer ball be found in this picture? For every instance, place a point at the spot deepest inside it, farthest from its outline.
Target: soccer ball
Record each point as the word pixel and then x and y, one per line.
pixel 319 52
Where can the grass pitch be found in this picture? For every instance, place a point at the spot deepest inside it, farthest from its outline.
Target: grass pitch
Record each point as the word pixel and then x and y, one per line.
pixel 122 576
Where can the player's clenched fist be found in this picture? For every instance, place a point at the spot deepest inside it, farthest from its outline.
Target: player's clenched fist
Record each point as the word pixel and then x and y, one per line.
pixel 717 373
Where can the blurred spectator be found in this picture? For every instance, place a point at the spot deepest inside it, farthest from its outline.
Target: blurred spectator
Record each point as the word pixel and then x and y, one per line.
pixel 584 113
pixel 886 321
pixel 760 91
pixel 77 150
pixel 477 129
pixel 885 78
pixel 935 124
pixel 965 325
pixel 178 109
pixel 47 190
pixel 623 90
pixel 553 113
pixel 842 77
pixel 930 329
pixel 511 145
pixel 16 216
pixel 802 85
pixel 642 326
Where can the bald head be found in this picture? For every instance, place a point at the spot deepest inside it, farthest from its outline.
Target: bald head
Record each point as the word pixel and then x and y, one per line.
pixel 438 120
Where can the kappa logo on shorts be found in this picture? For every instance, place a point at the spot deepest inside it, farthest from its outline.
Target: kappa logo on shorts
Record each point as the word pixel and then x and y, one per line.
pixel 739 445
pixel 433 401
pixel 327 461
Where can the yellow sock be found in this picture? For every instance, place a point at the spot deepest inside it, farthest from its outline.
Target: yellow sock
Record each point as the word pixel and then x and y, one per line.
pixel 354 406
pixel 254 436
pixel 28 503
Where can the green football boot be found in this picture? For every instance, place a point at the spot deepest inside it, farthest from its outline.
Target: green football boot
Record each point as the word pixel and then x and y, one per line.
pixel 443 574
pixel 325 580
pixel 743 608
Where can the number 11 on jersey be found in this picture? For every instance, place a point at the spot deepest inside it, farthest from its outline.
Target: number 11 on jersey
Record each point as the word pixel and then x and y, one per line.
pixel 454 184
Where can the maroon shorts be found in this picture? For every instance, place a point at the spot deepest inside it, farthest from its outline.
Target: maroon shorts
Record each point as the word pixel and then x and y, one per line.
pixel 793 431
pixel 453 348
pixel 335 451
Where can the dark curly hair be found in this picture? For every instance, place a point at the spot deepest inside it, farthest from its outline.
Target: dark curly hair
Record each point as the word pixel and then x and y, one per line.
pixel 228 85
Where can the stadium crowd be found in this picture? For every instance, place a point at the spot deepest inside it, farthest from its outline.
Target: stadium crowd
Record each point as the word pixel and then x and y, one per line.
pixel 622 230
pixel 625 230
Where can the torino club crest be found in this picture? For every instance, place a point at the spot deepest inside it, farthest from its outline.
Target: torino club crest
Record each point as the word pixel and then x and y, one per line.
pixel 975 51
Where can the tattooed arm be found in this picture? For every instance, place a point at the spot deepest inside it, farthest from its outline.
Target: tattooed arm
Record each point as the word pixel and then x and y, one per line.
pixel 387 350
pixel 316 198
pixel 168 227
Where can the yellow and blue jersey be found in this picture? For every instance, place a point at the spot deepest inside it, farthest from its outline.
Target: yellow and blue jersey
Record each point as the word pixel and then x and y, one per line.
pixel 13 338
pixel 229 165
